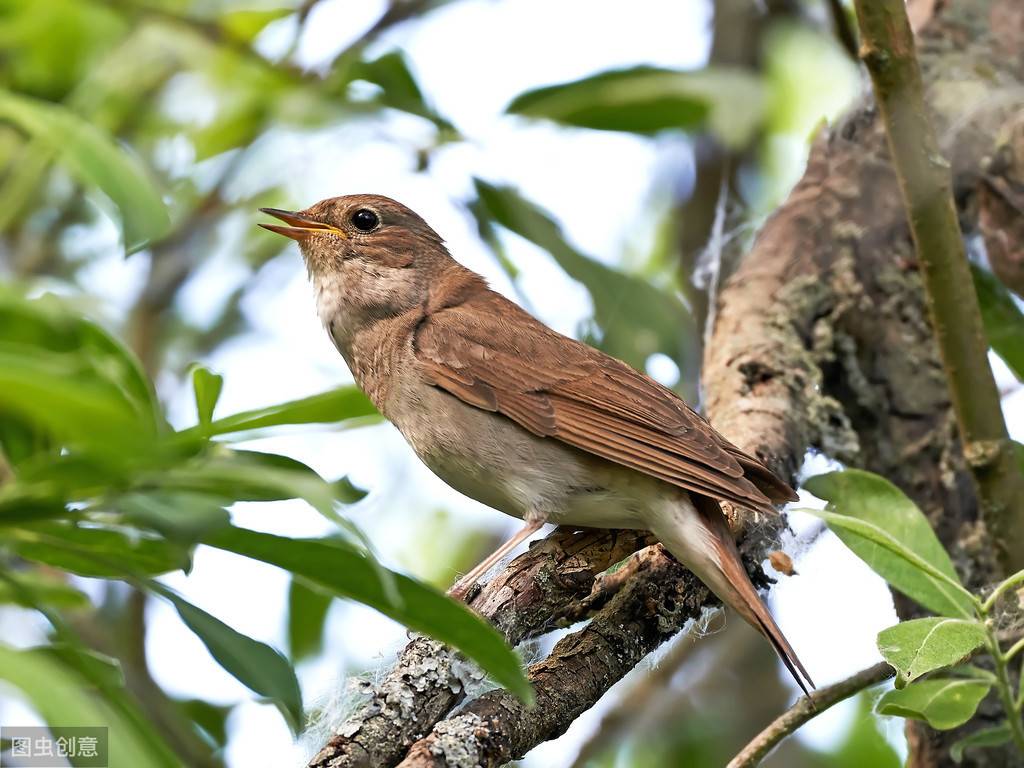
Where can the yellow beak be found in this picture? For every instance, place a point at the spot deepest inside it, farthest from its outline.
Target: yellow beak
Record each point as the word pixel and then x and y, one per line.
pixel 301 228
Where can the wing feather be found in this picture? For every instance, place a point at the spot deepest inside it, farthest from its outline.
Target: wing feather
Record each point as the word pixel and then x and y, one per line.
pixel 491 354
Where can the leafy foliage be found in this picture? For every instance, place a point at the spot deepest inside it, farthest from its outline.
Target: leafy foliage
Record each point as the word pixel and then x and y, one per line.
pixel 94 157
pixel 886 530
pixel 253 663
pixel 105 488
pixel 943 703
pixel 1003 319
pixel 636 318
pixel 920 646
pixel 647 100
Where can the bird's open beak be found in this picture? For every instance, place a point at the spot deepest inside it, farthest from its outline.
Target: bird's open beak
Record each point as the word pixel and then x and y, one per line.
pixel 301 226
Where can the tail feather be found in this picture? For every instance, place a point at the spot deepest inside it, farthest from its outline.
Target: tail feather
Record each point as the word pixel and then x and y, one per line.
pixel 722 570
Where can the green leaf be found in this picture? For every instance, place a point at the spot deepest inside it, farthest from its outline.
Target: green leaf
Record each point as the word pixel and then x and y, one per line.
pixel 96 159
pixel 399 88
pixel 863 746
pixel 63 701
pixel 49 391
pixel 95 551
pixel 647 100
pixel 245 24
pixel 1003 320
pixel 336 405
pixel 231 475
pixel 254 664
pixel 29 588
pixel 920 646
pixel 57 325
pixel 307 612
pixel 178 515
pixel 889 533
pixel 64 381
pixel 207 386
pixel 347 573
pixel 994 736
pixel 212 719
pixel 103 671
pixel 943 704
pixel 637 318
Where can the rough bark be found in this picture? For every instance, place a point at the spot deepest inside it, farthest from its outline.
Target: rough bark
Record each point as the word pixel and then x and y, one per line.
pixel 525 599
pixel 838 263
pixel 821 341
pixel 494 728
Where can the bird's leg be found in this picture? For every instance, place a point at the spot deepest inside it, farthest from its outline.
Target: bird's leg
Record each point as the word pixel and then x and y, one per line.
pixel 462 587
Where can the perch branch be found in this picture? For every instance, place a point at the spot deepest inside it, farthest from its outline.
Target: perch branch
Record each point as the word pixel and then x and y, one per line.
pixel 495 727
pixel 521 601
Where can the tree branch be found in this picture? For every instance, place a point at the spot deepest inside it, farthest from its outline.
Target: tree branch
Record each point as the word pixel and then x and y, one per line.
pixel 926 186
pixel 496 727
pixel 525 599
pixel 807 708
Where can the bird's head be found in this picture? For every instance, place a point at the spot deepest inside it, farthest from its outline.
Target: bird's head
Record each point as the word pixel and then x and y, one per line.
pixel 373 254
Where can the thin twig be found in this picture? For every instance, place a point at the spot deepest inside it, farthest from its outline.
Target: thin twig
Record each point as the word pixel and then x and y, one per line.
pixel 807 708
pixel 925 183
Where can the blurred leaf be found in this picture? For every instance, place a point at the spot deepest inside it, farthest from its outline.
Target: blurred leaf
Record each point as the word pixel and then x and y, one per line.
pixel 245 24
pixel 54 324
pixel 864 745
pixel 95 551
pixel 920 646
pixel 1004 322
pixel 347 573
pixel 178 515
pixel 207 386
pixel 231 475
pixel 53 44
pixel 51 391
pixel 994 736
pixel 399 89
pixel 99 669
pixel 346 492
pixel 944 704
pixel 888 532
pixel 637 318
pixel 809 79
pixel 105 675
pixel 63 702
pixel 29 588
pixel 211 718
pixel 307 612
pixel 325 408
pixel 254 664
pixel 64 380
pixel 95 158
pixel 729 102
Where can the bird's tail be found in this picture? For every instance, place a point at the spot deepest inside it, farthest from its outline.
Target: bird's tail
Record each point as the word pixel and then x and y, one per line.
pixel 699 537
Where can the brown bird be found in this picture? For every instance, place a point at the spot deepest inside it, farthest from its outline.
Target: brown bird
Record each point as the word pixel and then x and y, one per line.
pixel 517 416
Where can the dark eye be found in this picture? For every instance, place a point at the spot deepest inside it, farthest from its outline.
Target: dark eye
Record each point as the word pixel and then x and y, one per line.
pixel 365 220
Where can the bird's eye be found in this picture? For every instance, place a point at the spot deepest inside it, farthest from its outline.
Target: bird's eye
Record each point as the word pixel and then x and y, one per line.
pixel 365 220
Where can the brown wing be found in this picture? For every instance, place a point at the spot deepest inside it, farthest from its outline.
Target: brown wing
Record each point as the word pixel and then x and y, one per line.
pixel 493 355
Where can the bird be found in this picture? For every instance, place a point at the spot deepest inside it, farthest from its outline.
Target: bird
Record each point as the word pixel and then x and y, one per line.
pixel 519 417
